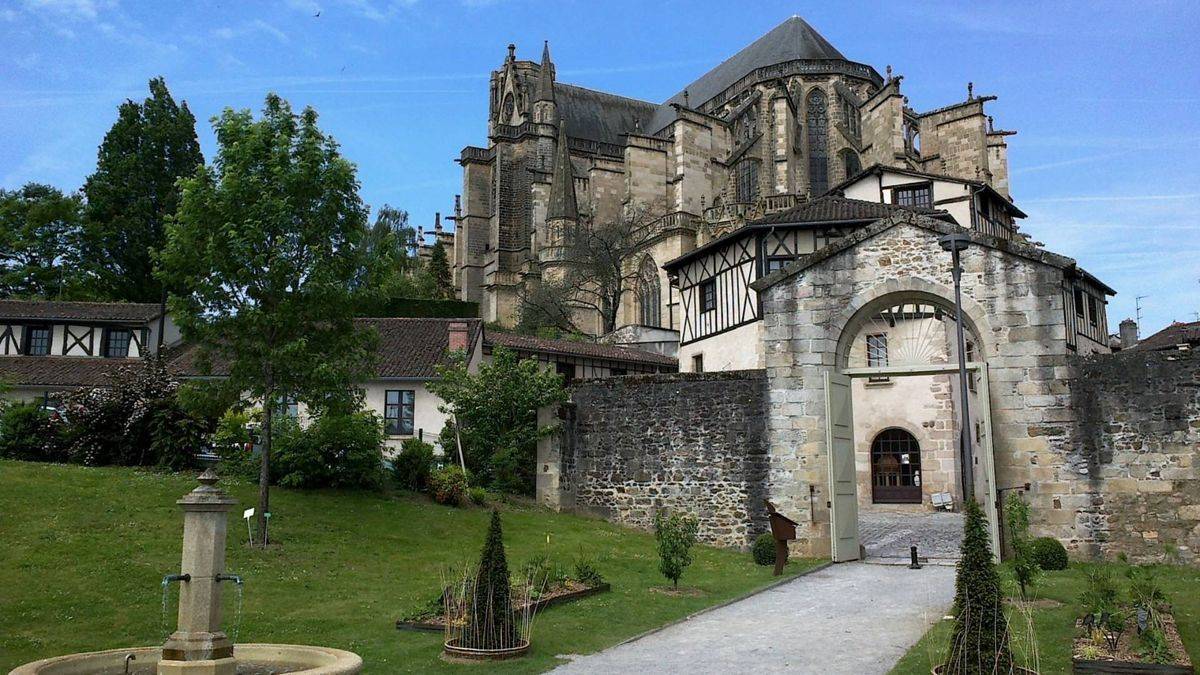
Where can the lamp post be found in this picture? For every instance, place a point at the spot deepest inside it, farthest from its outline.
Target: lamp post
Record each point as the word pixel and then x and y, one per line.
pixel 956 244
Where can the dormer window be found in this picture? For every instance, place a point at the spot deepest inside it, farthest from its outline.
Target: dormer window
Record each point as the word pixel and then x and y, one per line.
pixel 37 340
pixel 116 346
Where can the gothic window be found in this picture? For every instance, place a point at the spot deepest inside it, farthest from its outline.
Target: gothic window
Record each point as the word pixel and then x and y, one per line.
pixel 851 117
pixel 745 127
pixel 818 142
pixel 850 164
pixel 649 294
pixel 747 180
pixel 508 107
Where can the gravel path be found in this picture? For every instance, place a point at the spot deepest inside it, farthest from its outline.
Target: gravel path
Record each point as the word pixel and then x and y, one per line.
pixel 886 535
pixel 848 618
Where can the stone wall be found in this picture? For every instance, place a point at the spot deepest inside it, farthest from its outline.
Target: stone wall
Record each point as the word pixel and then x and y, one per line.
pixel 693 442
pixel 1139 442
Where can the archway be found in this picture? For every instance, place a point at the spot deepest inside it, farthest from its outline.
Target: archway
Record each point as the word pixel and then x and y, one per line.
pixel 896 359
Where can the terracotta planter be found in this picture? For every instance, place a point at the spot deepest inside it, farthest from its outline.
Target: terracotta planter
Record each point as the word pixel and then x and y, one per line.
pixel 1017 670
pixel 452 650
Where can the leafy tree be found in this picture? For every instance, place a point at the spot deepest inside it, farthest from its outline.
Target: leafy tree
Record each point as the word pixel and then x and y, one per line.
pixel 267 240
pixel 39 229
pixel 439 271
pixel 676 534
pixel 601 269
pixel 1025 567
pixel 495 411
pixel 491 624
pixel 134 189
pixel 979 640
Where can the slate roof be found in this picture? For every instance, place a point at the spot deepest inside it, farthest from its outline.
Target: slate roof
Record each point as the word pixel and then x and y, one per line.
pixel 599 116
pixel 61 371
pixel 1178 333
pixel 38 310
pixel 604 117
pixel 588 350
pixel 827 210
pixel 408 348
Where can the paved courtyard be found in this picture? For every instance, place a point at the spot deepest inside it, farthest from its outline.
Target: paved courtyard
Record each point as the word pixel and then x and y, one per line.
pixel 887 534
pixel 848 618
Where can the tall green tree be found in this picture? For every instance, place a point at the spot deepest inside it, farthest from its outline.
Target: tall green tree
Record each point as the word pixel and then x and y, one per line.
pixel 979 640
pixel 268 242
pixel 494 412
pixel 439 270
pixel 150 147
pixel 39 229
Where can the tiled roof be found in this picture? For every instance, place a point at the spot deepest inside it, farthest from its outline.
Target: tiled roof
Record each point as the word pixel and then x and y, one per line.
pixel 60 371
pixel 590 350
pixel 831 208
pixel 408 348
pixel 87 311
pixel 1172 336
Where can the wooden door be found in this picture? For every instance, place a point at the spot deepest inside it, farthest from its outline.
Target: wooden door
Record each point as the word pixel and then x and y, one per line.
pixel 839 443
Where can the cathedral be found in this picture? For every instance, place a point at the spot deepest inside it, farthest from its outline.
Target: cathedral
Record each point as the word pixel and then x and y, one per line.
pixel 777 125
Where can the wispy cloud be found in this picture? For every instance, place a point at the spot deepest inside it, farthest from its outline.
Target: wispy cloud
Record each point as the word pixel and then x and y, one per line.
pixel 372 10
pixel 250 28
pixel 77 10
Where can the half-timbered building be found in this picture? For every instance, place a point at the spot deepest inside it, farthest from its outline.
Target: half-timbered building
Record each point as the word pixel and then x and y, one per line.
pixel 49 346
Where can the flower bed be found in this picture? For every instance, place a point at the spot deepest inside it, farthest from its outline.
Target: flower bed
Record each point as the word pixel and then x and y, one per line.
pixel 1130 655
pixel 433 618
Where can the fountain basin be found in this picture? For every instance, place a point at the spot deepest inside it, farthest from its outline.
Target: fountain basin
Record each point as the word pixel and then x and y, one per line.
pixel 252 659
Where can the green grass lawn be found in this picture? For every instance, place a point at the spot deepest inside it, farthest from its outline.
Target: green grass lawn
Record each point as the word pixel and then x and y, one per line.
pixel 83 551
pixel 1054 626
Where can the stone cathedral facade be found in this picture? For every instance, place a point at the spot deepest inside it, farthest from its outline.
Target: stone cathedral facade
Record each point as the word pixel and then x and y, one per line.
pixel 777 124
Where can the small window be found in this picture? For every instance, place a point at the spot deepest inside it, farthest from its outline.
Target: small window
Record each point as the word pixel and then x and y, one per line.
pixel 708 295
pixel 398 409
pixel 37 340
pixel 774 264
pixel 287 406
pixel 1079 308
pixel 1093 310
pixel 747 180
pixel 567 370
pixel 877 350
pixel 697 363
pixel 917 195
pixel 972 376
pixel 117 344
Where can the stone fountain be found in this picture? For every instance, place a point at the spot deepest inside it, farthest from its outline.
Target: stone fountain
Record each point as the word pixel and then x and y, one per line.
pixel 199 646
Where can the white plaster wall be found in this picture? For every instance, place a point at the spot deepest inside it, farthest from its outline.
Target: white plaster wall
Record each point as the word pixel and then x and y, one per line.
pixel 737 349
pixel 427 419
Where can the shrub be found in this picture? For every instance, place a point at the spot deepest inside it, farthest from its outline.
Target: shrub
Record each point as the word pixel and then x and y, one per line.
pixel 1025 566
pixel 479 496
pixel 676 534
pixel 979 638
pixel 1049 553
pixel 137 421
pixel 29 432
pixel 234 442
pixel 1101 595
pixel 413 464
pixel 336 451
pixel 491 624
pixel 586 572
pixel 448 485
pixel 764 549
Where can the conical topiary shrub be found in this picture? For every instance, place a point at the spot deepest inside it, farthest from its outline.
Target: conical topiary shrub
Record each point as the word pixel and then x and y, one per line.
pixel 979 641
pixel 491 624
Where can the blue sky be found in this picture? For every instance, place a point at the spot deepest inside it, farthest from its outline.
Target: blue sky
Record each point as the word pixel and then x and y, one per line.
pixel 1104 95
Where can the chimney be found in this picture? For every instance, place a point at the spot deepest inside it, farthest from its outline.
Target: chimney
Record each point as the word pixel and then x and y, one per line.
pixel 457 336
pixel 1129 333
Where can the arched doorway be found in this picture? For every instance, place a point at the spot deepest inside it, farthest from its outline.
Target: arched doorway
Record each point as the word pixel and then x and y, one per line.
pixel 895 468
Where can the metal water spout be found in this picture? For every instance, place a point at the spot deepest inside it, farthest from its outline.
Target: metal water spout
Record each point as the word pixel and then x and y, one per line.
pixel 198 644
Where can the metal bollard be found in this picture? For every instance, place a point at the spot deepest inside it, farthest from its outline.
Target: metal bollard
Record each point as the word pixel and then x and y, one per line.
pixel 912 556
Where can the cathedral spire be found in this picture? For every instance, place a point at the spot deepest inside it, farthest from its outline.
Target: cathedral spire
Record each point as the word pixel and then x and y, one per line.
pixel 545 85
pixel 562 184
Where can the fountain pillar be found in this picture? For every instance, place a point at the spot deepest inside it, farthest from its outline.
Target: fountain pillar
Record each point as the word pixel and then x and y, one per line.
pixel 198 646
